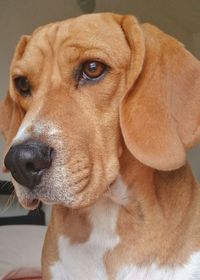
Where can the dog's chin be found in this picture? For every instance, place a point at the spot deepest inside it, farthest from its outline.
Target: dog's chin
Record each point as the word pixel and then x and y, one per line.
pixel 73 198
pixel 77 203
pixel 77 200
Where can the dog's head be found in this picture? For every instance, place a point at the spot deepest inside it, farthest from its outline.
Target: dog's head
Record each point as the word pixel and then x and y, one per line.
pixel 82 87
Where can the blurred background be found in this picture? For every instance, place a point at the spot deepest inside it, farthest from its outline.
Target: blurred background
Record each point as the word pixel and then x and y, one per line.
pixel 180 18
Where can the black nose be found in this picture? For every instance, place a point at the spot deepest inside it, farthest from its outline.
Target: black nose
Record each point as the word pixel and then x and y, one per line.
pixel 28 161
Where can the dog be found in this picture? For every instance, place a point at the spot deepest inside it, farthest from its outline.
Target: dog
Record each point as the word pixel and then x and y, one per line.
pixel 98 118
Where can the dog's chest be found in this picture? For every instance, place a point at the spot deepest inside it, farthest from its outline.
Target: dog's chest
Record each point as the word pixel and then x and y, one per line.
pixel 86 260
pixel 188 271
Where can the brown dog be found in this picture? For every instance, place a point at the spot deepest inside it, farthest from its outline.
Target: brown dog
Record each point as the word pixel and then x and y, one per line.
pixel 98 118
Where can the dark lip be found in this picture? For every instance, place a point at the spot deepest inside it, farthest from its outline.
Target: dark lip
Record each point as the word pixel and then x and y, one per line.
pixel 30 204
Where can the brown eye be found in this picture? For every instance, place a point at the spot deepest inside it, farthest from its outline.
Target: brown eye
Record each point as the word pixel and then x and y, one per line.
pixel 92 70
pixel 23 85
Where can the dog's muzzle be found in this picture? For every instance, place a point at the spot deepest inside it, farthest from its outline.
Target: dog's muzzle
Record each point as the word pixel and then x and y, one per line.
pixel 28 161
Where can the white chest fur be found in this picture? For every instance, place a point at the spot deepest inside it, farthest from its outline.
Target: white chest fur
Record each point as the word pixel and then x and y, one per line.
pixel 85 261
pixel 189 271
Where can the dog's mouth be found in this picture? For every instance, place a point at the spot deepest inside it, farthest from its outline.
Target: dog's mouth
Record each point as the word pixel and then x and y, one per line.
pixel 61 185
pixel 31 198
pixel 30 203
pixel 72 185
pixel 33 203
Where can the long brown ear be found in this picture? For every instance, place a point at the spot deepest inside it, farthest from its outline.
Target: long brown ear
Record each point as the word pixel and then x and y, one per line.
pixel 11 116
pixel 160 113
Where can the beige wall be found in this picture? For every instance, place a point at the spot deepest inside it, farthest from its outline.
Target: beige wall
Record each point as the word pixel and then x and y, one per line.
pixel 19 17
pixel 196 44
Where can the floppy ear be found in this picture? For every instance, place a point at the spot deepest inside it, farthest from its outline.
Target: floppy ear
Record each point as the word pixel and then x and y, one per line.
pixel 160 113
pixel 11 116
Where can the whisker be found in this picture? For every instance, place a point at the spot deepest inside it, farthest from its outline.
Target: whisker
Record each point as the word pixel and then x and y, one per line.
pixel 9 202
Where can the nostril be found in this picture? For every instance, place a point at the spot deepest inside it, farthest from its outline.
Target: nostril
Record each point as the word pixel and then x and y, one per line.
pixel 51 153
pixel 30 167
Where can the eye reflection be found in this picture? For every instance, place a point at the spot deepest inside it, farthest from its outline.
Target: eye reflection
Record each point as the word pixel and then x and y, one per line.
pixel 92 70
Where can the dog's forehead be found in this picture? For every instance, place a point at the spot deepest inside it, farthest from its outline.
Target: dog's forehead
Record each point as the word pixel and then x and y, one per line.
pixel 99 31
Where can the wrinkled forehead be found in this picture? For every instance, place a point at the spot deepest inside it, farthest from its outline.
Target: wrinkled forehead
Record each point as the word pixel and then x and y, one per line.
pixel 98 32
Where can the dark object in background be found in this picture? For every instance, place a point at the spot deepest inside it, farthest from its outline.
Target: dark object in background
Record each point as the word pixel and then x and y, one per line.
pixel 6 188
pixel 35 217
pixel 87 6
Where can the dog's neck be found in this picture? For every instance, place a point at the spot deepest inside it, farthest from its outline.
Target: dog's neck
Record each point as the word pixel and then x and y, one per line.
pixel 166 194
pixel 159 195
pixel 158 209
pixel 163 207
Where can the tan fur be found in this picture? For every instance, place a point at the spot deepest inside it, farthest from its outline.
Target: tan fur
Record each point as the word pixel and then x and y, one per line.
pixel 137 123
pixel 160 221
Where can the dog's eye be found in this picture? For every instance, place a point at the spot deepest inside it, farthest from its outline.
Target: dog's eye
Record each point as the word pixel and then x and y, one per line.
pixel 23 85
pixel 92 70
